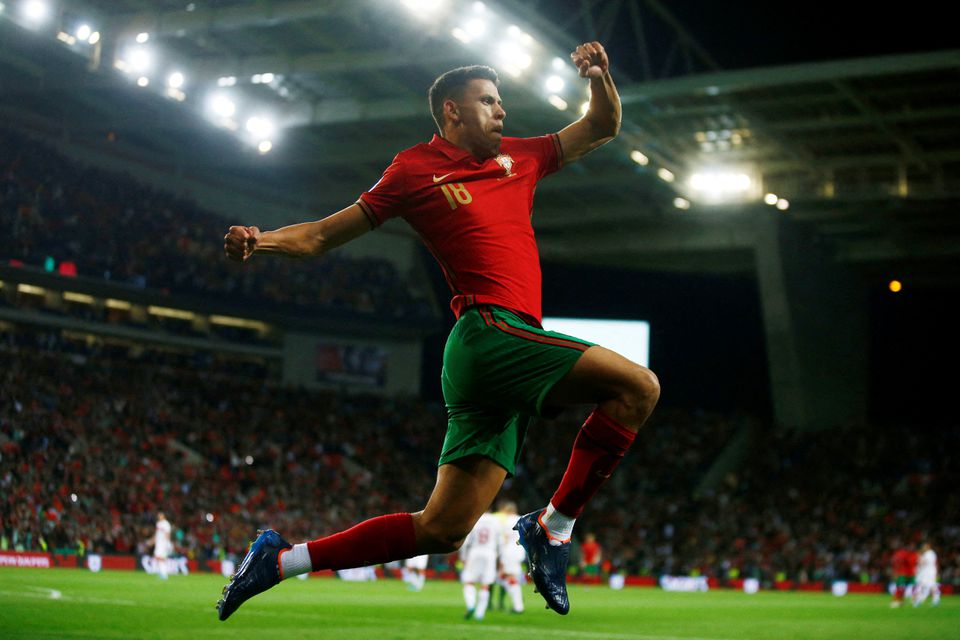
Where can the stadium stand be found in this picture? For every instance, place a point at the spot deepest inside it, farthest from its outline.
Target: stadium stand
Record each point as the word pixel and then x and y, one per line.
pixel 95 439
pixel 112 227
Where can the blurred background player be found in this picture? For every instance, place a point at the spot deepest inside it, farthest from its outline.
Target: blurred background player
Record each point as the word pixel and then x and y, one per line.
pixel 415 572
pixel 904 568
pixel 162 545
pixel 591 555
pixel 479 554
pixel 512 557
pixel 926 584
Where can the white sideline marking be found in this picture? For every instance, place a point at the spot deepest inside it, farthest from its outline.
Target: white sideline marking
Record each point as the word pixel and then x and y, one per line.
pixel 53 594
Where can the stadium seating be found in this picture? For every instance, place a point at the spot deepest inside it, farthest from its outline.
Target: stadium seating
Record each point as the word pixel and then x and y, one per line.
pixel 94 440
pixel 110 226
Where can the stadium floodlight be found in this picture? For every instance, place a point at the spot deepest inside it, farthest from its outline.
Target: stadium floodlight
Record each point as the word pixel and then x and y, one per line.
pixel 262 128
pixel 514 55
pixel 558 102
pixel 517 33
pixel 94 37
pixel 264 147
pixel 222 106
pixel 783 204
pixel 83 32
pixel 226 81
pixel 555 84
pixel 476 26
pixel 424 9
pixel 36 12
pixel 666 175
pixel 139 59
pixel 461 35
pixel 175 80
pixel 143 81
pixel 771 199
pixel 143 37
pixel 558 64
pixel 720 183
pixel 681 203
pixel 639 158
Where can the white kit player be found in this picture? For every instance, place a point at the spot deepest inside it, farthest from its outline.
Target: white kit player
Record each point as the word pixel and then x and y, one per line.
pixel 415 572
pixel 479 553
pixel 926 584
pixel 512 557
pixel 162 544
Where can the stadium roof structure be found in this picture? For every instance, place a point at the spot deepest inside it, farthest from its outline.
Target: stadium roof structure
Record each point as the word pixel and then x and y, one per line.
pixel 865 150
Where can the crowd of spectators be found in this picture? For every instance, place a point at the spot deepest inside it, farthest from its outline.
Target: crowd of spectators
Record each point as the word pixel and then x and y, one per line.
pixel 94 443
pixel 113 227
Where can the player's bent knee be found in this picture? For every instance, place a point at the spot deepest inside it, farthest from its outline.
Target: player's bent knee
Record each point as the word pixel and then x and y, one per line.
pixel 648 385
pixel 638 395
pixel 642 390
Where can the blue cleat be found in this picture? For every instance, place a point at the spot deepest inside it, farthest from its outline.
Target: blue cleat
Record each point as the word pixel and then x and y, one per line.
pixel 548 563
pixel 259 571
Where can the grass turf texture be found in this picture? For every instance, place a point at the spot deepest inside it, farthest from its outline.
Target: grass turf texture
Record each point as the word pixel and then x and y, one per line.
pixel 69 603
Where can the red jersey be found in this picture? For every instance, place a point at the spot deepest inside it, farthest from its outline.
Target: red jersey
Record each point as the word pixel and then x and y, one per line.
pixel 590 552
pixel 473 215
pixel 904 562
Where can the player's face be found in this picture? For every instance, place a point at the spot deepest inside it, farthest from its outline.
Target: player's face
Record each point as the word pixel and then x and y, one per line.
pixel 481 116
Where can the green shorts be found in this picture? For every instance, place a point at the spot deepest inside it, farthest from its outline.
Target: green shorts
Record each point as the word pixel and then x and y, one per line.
pixel 497 371
pixel 904 581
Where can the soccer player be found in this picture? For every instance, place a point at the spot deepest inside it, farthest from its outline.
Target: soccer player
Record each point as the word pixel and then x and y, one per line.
pixel 926 577
pixel 469 195
pixel 904 568
pixel 415 572
pixel 162 544
pixel 479 553
pixel 591 555
pixel 512 556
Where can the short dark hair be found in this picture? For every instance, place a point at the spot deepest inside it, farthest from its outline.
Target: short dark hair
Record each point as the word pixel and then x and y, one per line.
pixel 451 85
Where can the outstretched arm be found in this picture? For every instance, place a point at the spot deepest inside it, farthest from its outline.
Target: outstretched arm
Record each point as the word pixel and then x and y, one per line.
pixel 298 240
pixel 602 121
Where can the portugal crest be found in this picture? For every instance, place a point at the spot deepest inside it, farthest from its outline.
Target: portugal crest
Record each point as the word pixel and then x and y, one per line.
pixel 506 162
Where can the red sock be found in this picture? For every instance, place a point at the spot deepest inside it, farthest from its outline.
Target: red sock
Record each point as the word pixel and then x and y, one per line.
pixel 373 541
pixel 598 449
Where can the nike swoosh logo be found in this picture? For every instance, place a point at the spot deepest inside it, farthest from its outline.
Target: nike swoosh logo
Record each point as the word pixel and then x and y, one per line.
pixel 436 179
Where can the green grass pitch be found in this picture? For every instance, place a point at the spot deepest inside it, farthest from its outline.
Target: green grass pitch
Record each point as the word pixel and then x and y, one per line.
pixel 69 603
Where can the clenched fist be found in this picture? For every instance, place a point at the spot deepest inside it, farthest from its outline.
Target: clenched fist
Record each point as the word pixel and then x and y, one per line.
pixel 590 59
pixel 240 242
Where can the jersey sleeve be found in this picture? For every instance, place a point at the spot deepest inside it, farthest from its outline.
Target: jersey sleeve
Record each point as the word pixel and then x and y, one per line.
pixel 546 151
pixel 386 199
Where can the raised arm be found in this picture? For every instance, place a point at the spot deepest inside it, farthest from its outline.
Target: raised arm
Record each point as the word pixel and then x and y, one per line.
pixel 601 123
pixel 298 240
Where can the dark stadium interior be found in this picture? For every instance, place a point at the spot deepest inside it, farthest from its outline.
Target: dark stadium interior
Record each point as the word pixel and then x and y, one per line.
pixel 806 424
